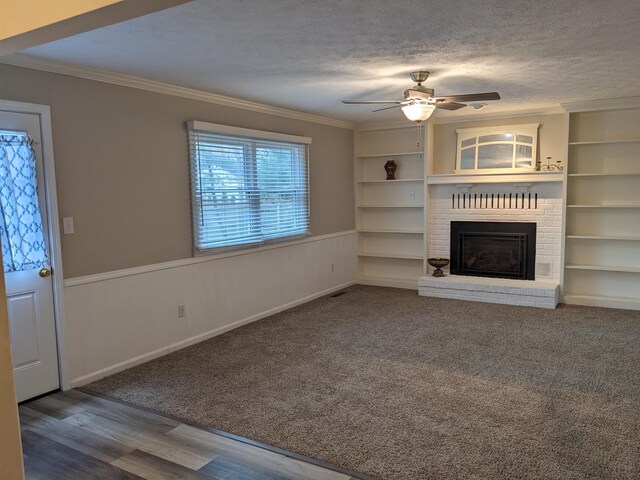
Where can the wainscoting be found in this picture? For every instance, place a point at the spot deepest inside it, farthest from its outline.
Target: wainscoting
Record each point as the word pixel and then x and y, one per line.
pixel 120 319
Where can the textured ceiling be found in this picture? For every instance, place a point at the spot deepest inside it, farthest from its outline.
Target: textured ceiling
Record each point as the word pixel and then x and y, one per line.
pixel 308 55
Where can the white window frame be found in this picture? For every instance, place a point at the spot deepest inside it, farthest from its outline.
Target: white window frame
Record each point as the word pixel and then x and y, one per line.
pixel 464 134
pixel 249 134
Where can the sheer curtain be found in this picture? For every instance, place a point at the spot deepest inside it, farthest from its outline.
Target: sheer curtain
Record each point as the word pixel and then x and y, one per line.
pixel 22 237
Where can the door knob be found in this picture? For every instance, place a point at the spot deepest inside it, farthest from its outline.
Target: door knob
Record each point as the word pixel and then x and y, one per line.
pixel 45 272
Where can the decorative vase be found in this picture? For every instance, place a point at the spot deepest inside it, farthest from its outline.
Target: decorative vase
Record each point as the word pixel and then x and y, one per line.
pixel 438 263
pixel 390 168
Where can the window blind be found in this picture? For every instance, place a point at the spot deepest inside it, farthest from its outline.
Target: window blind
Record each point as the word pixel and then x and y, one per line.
pixel 246 190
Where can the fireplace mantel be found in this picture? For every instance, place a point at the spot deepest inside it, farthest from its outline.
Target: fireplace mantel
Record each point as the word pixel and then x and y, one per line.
pixel 533 177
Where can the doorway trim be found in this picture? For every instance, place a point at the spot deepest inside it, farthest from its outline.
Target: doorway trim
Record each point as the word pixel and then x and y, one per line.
pixel 51 198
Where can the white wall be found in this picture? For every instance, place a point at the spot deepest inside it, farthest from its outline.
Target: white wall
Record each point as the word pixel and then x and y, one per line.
pixel 119 319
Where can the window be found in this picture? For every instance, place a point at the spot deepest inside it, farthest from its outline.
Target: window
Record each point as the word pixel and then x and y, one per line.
pixel 21 231
pixel 247 187
pixel 497 149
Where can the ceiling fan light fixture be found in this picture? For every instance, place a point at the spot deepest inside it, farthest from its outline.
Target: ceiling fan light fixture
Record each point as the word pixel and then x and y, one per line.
pixel 418 112
pixel 478 106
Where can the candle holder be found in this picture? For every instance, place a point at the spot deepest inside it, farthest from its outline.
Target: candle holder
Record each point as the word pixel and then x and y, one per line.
pixel 549 167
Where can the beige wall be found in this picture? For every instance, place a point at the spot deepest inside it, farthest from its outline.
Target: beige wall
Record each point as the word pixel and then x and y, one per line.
pixel 10 447
pixel 123 173
pixel 550 138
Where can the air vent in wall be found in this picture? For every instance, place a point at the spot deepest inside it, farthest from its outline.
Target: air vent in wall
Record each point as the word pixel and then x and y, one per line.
pixel 543 269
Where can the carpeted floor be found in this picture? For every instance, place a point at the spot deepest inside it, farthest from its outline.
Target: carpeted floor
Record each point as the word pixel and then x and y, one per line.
pixel 398 386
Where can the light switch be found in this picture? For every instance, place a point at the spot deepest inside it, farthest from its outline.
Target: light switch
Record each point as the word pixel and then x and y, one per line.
pixel 67 225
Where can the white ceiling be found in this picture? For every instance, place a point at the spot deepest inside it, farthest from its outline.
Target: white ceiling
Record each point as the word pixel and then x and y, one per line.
pixel 308 55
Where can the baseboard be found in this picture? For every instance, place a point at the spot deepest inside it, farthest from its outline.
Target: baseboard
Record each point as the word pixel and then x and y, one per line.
pixel 118 367
pixel 601 301
pixel 389 282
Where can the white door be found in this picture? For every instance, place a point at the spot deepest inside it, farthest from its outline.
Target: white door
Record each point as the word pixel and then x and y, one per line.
pixel 30 292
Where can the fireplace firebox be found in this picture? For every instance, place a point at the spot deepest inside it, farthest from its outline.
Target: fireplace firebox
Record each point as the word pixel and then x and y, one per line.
pixel 494 249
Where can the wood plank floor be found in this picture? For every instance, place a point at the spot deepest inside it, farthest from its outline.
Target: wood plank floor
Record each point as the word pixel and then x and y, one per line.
pixel 74 435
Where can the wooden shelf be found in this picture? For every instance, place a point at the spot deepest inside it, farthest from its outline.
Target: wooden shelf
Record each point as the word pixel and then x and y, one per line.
pixel 604 268
pixel 397 154
pixel 604 237
pixel 391 182
pixel 398 205
pixel 604 206
pixel 391 255
pixel 398 230
pixel 533 177
pixel 606 142
pixel 596 175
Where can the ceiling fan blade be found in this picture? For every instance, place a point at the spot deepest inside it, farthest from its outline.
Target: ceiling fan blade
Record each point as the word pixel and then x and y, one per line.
pixel 386 108
pixel 450 105
pixel 366 102
pixel 471 97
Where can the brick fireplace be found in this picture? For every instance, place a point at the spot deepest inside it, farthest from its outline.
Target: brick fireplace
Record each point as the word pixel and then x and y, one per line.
pixel 540 284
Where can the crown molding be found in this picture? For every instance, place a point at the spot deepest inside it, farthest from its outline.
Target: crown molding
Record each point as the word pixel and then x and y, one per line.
pixel 384 125
pixel 472 116
pixel 603 104
pixel 477 116
pixel 98 75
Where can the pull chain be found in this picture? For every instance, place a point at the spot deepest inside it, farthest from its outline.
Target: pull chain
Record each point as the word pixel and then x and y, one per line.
pixel 418 140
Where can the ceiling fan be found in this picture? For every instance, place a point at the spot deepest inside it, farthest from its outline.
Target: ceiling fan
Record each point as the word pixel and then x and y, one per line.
pixel 419 102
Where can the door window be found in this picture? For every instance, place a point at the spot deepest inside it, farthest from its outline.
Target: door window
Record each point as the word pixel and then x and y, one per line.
pixel 22 236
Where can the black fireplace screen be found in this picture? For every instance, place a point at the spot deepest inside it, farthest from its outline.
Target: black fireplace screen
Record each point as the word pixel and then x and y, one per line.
pixel 493 249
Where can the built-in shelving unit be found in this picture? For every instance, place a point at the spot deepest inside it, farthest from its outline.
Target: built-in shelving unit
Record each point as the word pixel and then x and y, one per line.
pixel 603 206
pixel 604 237
pixel 419 180
pixel 602 240
pixel 389 213
pixel 620 174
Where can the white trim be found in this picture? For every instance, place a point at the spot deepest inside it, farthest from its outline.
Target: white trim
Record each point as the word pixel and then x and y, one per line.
pixel 472 116
pixel 44 114
pixel 603 104
pixel 601 301
pixel 118 367
pixel 522 113
pixel 498 129
pixel 529 130
pixel 389 282
pixel 127 272
pixel 245 132
pixel 502 177
pixel 384 125
pixel 64 68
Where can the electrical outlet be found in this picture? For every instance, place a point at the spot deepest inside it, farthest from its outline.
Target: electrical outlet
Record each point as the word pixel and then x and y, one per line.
pixel 181 311
pixel 412 195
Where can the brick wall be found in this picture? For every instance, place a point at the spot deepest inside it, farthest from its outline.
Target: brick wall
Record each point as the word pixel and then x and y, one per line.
pixel 548 219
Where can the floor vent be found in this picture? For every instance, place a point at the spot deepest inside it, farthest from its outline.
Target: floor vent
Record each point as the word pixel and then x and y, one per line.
pixel 337 294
